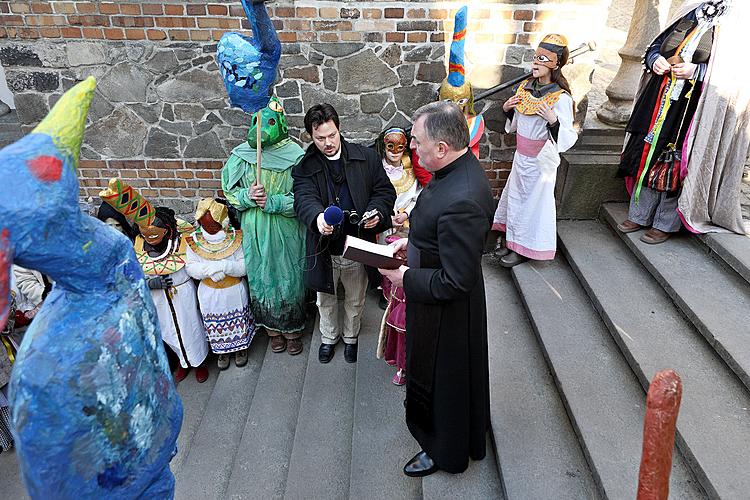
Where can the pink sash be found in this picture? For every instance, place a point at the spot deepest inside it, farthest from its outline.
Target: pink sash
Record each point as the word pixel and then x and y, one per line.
pixel 529 147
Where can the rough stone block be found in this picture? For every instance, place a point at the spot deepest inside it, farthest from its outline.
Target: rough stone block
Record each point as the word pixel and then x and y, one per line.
pixel 119 135
pixel 409 99
pixel 205 146
pixel 161 144
pixel 582 188
pixel 24 81
pixel 125 83
pixel 364 72
pixel 373 103
pixel 31 108
pixel 15 55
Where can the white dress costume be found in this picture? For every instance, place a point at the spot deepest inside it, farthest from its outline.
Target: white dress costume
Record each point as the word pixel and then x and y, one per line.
pixel 177 306
pixel 526 211
pixel 407 191
pixel 218 261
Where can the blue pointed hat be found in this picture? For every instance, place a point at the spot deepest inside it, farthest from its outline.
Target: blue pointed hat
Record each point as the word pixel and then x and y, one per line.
pixel 456 71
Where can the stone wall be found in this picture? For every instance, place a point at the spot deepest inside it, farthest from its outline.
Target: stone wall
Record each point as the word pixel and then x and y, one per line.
pixel 161 119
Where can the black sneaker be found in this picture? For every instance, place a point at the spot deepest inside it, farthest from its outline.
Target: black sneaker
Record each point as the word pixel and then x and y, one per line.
pixel 325 353
pixel 350 353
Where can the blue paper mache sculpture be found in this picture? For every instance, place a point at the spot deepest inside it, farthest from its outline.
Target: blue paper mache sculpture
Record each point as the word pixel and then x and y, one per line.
pixel 248 65
pixel 94 407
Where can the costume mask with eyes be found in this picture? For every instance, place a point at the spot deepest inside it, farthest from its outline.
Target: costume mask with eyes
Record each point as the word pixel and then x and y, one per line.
pixel 395 145
pixel 553 54
pixel 273 129
pixel 455 87
pixel 160 247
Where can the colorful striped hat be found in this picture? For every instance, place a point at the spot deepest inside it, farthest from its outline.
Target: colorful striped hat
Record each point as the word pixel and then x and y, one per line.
pixel 456 70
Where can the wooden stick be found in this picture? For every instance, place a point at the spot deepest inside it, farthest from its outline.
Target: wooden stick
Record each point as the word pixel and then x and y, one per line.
pixel 258 122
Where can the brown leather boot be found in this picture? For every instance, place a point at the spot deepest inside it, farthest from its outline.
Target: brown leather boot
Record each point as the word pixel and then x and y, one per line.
pixel 294 346
pixel 655 236
pixel 278 343
pixel 628 226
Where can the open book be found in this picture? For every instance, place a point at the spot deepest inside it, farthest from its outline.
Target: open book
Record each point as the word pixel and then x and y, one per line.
pixel 371 254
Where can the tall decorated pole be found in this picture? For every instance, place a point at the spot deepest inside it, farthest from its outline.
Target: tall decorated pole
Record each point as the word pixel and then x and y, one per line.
pixel 248 65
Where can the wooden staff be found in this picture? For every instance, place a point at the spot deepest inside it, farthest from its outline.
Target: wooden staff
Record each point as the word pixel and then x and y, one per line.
pixel 662 406
pixel 258 123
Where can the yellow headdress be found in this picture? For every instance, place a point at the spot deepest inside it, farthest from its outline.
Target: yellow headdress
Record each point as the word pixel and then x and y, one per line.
pixel 218 211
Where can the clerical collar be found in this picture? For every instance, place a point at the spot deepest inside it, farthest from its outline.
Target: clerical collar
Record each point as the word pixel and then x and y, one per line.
pixel 334 157
pixel 452 165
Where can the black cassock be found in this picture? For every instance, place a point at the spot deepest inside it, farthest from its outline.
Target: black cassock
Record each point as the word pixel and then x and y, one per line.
pixel 447 382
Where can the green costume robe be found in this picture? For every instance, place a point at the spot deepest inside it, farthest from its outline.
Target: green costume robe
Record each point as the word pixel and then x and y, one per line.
pixel 273 238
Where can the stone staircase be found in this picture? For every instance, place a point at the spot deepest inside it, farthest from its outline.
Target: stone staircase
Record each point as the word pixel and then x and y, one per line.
pixel 573 344
pixel 611 311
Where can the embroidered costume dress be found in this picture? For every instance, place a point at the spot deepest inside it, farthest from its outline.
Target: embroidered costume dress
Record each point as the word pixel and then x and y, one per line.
pixel 177 306
pixel 224 303
pixel 526 211
pixel 392 341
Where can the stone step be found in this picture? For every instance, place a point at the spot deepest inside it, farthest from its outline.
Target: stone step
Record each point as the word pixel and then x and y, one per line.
pixel 598 388
pixel 678 264
pixel 713 429
pixel 11 118
pixel 320 462
pixel 205 471
pixel 592 158
pixel 733 249
pixel 586 180
pixel 538 452
pixel 194 398
pixel 262 461
pixel 381 442
pixel 480 481
pixel 11 484
pixel 9 137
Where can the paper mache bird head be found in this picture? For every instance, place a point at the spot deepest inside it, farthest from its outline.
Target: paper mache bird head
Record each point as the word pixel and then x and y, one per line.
pixel 273 129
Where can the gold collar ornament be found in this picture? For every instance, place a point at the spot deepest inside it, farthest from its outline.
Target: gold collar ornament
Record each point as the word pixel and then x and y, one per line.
pixel 215 251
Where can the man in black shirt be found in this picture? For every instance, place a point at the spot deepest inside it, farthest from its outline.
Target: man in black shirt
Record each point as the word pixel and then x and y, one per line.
pixel 336 173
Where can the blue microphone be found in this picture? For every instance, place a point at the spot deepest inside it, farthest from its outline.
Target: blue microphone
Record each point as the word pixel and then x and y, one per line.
pixel 333 215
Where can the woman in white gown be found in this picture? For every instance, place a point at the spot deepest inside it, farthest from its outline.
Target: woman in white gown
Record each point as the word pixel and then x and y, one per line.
pixel 541 115
pixel 215 257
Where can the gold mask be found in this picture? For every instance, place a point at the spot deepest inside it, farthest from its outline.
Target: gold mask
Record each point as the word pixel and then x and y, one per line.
pixel 463 96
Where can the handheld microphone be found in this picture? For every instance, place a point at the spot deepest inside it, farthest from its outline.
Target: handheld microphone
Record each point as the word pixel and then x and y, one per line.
pixel 333 215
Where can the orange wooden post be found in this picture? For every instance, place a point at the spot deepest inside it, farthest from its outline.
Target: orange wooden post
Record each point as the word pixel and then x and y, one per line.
pixel 662 407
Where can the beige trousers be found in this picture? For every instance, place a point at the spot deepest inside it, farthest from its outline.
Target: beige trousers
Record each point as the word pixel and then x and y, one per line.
pixel 353 277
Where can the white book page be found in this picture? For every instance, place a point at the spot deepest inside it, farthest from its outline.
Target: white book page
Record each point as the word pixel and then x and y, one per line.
pixel 384 250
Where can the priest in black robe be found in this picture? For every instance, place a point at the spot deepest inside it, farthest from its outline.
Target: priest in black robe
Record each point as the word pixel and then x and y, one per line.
pixel 447 384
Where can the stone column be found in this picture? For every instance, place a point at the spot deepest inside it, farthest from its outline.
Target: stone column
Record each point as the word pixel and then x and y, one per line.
pixel 645 25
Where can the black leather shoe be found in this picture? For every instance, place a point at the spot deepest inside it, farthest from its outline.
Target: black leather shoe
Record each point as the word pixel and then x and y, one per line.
pixel 421 465
pixel 350 353
pixel 325 353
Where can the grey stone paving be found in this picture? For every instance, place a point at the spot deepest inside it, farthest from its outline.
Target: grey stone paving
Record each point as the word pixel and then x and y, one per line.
pixel 262 462
pixel 205 470
pixel 381 443
pixel 713 429
pixel 678 264
pixel 538 452
pixel 600 390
